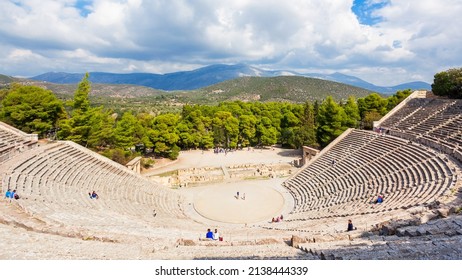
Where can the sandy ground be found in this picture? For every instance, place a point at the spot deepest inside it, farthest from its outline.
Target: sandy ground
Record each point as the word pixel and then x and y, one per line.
pixel 218 202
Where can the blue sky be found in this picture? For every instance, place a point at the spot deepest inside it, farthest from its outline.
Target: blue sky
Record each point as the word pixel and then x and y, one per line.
pixel 365 10
pixel 83 7
pixel 385 42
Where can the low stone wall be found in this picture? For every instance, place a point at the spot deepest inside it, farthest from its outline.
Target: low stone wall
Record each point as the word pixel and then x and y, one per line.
pixel 185 177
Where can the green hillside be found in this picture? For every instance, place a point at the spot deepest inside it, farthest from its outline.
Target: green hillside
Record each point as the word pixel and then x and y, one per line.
pixel 283 88
pixel 6 79
pixel 106 90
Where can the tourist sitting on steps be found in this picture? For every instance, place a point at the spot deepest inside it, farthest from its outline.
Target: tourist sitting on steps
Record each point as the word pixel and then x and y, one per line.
pixel 8 193
pixel 11 194
pixel 350 226
pixel 14 195
pixel 209 234
pixel 93 195
pixel 216 235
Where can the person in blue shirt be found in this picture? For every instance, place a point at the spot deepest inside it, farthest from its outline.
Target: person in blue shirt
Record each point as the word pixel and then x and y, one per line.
pixel 93 195
pixel 350 226
pixel 8 194
pixel 209 234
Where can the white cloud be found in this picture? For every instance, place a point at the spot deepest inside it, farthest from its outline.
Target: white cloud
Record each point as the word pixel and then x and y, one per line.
pixel 414 38
pixel 21 54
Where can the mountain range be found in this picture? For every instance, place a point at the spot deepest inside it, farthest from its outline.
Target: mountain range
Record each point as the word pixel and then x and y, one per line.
pixel 213 74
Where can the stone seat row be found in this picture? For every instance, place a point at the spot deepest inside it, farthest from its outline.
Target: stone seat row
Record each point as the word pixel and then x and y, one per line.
pixel 62 175
pixel 383 165
pixel 438 124
pixel 11 144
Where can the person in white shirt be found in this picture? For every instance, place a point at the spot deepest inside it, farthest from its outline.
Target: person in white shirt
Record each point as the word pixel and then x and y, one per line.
pixel 216 235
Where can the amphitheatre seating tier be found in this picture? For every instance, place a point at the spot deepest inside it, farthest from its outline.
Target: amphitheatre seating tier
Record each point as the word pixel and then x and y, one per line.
pixel 54 181
pixel 440 239
pixel 13 142
pixel 345 180
pixel 433 122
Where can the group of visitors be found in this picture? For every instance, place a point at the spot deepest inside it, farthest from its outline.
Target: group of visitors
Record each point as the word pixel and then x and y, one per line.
pixel 218 150
pixel 381 130
pixel 277 219
pixel 213 235
pixel 11 194
pixel 378 200
pixel 240 197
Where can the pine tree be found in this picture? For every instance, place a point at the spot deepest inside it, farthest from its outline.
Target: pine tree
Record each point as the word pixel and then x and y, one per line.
pixel 331 121
pixel 352 113
pixel 31 109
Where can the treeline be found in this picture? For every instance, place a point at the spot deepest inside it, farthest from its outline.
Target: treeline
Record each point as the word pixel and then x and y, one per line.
pixel 448 83
pixel 233 124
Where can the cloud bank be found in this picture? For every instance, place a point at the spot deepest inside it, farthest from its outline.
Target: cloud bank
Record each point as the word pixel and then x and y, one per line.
pixel 384 42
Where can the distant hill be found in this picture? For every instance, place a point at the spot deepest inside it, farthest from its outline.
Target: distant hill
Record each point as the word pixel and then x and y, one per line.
pixel 351 80
pixel 211 75
pixel 6 79
pixel 104 90
pixel 281 88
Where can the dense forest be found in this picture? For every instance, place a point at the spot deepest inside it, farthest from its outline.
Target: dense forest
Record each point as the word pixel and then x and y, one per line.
pixel 232 124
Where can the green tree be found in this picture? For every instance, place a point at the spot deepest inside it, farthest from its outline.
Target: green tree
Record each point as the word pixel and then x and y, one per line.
pixel 370 118
pixel 77 128
pixel 331 121
pixel 194 129
pixel 289 119
pixel 81 101
pixel 288 137
pixel 225 129
pixel 352 113
pixel 306 133
pixel 266 134
pixel 128 131
pixel 448 83
pixel 247 129
pixel 87 126
pixel 206 133
pixel 102 129
pixel 32 109
pixel 396 98
pixel 372 103
pixel 164 135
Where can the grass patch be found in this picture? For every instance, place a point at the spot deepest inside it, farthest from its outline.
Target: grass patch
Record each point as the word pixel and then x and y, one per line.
pixel 257 178
pixel 168 173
